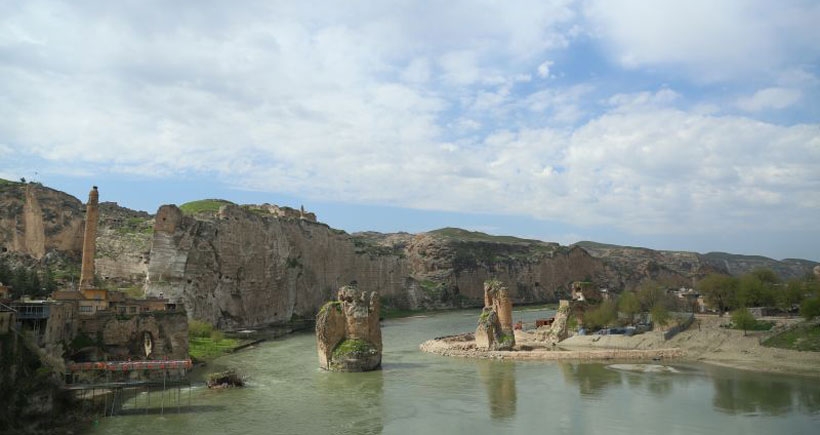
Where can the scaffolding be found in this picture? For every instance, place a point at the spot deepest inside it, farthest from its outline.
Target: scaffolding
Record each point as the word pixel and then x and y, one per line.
pixel 111 395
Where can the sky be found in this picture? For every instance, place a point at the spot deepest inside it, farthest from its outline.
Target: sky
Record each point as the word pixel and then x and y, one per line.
pixel 683 125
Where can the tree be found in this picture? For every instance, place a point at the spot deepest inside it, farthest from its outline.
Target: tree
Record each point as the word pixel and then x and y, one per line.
pixel 5 272
pixel 792 295
pixel 35 287
pixel 603 315
pixel 810 308
pixel 765 275
pixel 20 284
pixel 719 291
pixel 49 283
pixel 650 293
pixel 755 292
pixel 629 304
pixel 743 319
pixel 660 315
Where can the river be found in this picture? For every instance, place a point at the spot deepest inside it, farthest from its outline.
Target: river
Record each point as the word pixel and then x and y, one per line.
pixel 419 393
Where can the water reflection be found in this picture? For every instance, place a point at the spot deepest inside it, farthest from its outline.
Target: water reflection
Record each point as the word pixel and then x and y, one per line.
pixel 353 401
pixel 591 379
pixel 744 395
pixel 499 380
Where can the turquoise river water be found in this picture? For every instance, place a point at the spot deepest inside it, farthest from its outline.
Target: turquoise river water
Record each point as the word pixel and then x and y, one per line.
pixel 419 393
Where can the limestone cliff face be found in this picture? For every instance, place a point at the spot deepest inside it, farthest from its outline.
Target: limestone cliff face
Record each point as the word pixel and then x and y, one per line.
pixel 35 220
pixel 46 226
pixel 242 268
pixel 123 245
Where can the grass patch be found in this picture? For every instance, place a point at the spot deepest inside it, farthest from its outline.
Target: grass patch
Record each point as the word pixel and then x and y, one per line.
pixel 803 338
pixel 477 236
pixel 203 206
pixel 4 182
pixel 207 348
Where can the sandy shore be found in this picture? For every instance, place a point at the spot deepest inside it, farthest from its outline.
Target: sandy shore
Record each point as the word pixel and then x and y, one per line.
pixel 704 341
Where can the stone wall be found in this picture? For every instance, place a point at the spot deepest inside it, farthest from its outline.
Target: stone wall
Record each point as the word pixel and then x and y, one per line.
pixel 123 336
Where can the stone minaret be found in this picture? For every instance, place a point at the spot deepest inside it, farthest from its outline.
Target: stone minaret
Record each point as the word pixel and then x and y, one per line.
pixel 92 214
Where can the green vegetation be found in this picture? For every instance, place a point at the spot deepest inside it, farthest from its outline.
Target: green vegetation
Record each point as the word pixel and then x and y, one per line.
pixel 203 206
pixel 660 315
pixel 743 319
pixel 629 304
pixel 4 182
pixel 759 288
pixel 203 349
pixel 134 292
pixel 477 236
pixel 331 305
pixel 810 308
pixel 25 281
pixel 136 224
pixel 205 342
pixel 805 337
pixel 352 347
pixel 605 314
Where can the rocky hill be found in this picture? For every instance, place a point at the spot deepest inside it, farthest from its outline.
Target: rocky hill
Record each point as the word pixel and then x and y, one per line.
pixel 40 226
pixel 243 265
pixel 686 267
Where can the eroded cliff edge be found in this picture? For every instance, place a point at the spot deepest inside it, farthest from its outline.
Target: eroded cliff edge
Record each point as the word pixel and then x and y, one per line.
pixel 241 267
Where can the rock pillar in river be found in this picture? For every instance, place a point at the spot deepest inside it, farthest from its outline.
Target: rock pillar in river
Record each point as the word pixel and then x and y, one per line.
pixel 348 333
pixel 495 328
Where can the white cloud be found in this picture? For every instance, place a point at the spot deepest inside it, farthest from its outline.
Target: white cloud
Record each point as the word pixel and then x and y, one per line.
pixel 544 69
pixel 707 40
pixel 769 98
pixel 400 104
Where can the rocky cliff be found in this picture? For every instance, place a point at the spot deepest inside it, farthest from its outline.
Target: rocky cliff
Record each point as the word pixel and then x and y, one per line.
pixel 41 226
pixel 35 220
pixel 242 267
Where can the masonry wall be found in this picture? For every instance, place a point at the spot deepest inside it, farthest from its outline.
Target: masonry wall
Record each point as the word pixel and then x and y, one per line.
pixel 123 336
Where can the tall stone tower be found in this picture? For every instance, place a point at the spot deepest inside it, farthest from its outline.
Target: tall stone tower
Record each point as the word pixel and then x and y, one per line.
pixel 92 215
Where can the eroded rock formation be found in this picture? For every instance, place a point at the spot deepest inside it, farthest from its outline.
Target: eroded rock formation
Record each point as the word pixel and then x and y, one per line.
pixel 348 333
pixel 238 268
pixel 495 328
pixel 558 330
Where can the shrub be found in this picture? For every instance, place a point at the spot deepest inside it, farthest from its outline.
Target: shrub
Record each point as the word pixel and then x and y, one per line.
pixel 810 308
pixel 199 329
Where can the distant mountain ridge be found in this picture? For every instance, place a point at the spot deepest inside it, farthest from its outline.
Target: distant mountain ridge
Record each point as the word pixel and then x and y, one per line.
pixel 693 264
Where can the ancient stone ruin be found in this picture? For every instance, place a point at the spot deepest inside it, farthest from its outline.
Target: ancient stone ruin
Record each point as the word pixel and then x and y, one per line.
pixel 348 332
pixel 557 331
pixel 495 328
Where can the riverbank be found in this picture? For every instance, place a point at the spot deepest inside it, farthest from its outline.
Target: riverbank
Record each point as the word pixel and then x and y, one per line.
pixel 705 341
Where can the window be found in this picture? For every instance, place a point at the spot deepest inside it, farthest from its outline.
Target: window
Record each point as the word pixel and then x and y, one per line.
pixel 86 309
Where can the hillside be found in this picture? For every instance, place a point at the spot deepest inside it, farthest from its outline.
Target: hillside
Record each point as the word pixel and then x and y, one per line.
pixel 687 266
pixel 248 265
